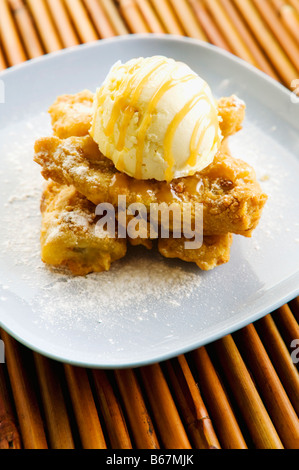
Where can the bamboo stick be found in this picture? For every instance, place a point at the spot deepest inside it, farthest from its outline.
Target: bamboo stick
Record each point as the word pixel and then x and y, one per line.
pixel 167 419
pixel 295 4
pixel 279 30
pixel 9 36
pixel 112 412
pixel 189 22
pixel 260 58
pixel 133 17
pixel 259 424
pixel 140 422
pixel 26 28
pixel 268 42
pixel 62 22
pixel 191 405
pixel 229 31
pixel 44 24
pixel 80 18
pixel 209 27
pixel 9 434
pixel 58 425
pixel 27 408
pixel 113 14
pixel 289 16
pixel 99 18
pixel 270 388
pixel 2 60
pixel 294 305
pixel 287 324
pixel 152 20
pixel 167 17
pixel 87 418
pixel 280 358
pixel 222 415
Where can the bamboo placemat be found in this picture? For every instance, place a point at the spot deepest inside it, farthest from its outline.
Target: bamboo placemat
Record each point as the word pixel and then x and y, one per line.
pixel 240 392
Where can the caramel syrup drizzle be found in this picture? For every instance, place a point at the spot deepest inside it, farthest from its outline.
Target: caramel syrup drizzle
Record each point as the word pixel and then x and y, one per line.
pixel 195 147
pixel 164 87
pixel 168 154
pixel 130 109
pixel 122 99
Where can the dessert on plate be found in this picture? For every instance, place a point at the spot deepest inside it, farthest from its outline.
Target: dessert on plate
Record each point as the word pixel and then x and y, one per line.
pixel 154 136
pixel 68 235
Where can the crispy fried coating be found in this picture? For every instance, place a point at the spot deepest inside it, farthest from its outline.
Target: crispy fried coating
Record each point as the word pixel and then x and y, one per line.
pixel 68 235
pixel 232 114
pixel 71 114
pixel 228 189
pixel 214 251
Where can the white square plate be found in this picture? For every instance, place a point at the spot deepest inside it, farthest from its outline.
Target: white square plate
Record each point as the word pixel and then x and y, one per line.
pixel 146 309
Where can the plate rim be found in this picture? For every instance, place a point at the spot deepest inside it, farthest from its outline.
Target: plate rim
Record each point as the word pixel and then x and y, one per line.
pixel 145 36
pixel 212 337
pixel 159 357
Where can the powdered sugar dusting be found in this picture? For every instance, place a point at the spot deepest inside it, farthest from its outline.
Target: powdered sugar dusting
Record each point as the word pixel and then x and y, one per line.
pixel 143 290
pixel 137 281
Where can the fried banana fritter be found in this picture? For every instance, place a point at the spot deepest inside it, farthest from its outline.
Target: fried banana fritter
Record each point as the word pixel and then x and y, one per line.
pixel 71 114
pixel 214 251
pixel 68 235
pixel 69 238
pixel 228 189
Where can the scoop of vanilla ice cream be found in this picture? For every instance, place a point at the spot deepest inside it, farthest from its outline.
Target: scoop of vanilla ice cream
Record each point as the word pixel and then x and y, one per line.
pixel 155 118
